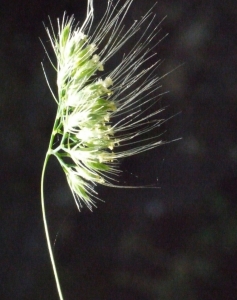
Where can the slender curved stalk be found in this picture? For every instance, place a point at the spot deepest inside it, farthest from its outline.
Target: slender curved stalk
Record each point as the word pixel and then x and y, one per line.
pixel 44 213
pixel 47 231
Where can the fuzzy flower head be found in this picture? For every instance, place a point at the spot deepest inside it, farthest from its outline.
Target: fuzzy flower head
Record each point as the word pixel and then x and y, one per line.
pixel 101 117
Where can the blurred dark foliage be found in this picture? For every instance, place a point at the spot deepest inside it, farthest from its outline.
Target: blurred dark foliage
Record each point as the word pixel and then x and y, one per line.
pixel 178 242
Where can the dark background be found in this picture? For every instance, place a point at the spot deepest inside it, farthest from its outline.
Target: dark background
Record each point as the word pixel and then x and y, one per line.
pixel 178 242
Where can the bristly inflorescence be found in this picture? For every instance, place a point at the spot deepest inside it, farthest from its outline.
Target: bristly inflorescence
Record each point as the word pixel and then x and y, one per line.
pixel 100 114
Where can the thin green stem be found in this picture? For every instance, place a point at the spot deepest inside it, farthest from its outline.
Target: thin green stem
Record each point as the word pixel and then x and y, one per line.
pixel 44 213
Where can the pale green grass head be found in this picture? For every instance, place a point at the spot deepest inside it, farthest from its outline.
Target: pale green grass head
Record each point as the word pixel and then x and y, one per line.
pixel 90 97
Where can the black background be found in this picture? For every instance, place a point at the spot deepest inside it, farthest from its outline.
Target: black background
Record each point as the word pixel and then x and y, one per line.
pixel 175 242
